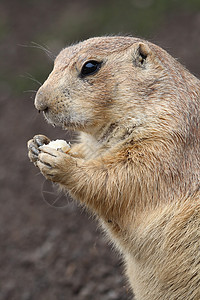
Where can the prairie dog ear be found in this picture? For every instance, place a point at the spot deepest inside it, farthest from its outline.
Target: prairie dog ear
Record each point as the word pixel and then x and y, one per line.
pixel 141 54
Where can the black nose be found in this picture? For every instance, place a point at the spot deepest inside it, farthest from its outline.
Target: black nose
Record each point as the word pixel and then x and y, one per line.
pixel 41 101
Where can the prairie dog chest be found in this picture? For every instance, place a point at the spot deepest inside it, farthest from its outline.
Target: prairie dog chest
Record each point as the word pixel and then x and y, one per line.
pixel 91 148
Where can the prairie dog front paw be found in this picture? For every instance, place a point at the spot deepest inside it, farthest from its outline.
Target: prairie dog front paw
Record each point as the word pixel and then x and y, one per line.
pixel 34 145
pixel 49 156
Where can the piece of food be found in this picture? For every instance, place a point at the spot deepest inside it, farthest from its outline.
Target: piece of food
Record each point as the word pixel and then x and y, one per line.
pixel 59 145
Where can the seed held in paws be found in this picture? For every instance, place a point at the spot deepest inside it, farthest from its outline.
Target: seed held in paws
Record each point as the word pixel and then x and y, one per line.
pixel 58 145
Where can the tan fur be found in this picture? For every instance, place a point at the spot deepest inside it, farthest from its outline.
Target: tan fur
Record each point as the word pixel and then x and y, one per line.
pixel 137 163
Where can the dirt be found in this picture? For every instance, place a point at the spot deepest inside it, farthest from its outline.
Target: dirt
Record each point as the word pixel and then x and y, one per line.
pixel 51 249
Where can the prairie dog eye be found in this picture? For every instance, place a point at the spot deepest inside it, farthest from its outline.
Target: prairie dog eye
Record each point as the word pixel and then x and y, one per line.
pixel 90 67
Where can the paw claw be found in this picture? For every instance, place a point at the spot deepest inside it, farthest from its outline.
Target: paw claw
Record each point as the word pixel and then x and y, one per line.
pixel 33 146
pixel 41 140
pixel 35 151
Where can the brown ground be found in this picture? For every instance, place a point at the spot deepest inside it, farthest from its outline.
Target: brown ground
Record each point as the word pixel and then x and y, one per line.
pixel 55 252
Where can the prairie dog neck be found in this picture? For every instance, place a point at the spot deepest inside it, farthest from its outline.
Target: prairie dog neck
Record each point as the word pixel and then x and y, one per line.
pixel 106 138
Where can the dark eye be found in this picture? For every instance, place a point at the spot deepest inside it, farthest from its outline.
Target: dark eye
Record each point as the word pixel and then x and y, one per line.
pixel 90 67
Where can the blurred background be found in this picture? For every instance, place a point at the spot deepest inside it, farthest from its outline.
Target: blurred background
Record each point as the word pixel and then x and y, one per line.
pixel 50 249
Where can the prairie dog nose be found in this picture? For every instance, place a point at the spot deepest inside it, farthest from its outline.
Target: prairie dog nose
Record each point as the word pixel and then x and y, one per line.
pixel 41 101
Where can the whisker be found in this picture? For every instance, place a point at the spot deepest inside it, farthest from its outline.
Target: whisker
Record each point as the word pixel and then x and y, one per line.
pixel 40 47
pixel 43 48
pixel 29 76
pixel 30 91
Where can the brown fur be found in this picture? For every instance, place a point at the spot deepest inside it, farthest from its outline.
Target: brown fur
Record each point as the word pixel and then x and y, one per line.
pixel 137 163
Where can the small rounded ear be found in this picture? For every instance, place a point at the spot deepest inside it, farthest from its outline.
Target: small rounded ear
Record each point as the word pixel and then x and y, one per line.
pixel 142 52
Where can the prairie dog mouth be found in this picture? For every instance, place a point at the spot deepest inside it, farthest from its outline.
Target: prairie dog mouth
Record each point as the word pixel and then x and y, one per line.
pixel 70 121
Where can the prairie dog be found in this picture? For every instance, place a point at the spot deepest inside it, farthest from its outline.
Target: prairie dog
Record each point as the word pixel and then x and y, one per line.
pixel 136 165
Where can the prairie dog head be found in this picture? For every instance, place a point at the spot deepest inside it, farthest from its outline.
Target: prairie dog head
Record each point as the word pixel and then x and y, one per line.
pixel 110 80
